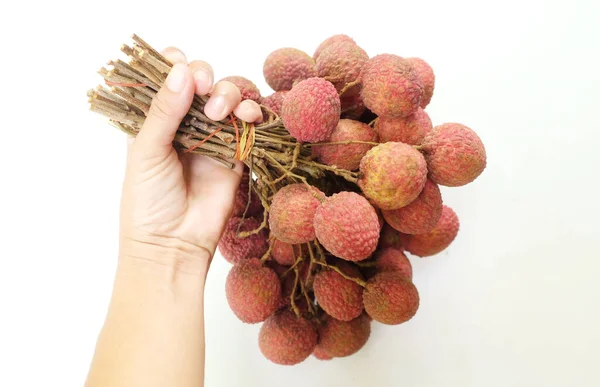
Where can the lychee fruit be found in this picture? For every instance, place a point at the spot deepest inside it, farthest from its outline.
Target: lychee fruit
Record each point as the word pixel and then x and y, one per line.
pixel 436 240
pixel 283 253
pixel 292 213
pixel 391 259
pixel 255 207
pixel 393 175
pixel 421 215
pixel 409 130
pixel 339 297
pixel 389 237
pixel 234 248
pixel 286 66
pixel 347 226
pixel 390 86
pixel 346 156
pixel 329 41
pixel 455 154
pixel 247 88
pixel 425 72
pixel 311 110
pixel 343 338
pixel 253 291
pixel 340 63
pixel 286 339
pixel 391 298
pixel 274 101
pixel 319 354
pixel 352 106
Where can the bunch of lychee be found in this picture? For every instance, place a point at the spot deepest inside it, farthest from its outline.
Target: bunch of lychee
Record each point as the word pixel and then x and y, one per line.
pixel 330 258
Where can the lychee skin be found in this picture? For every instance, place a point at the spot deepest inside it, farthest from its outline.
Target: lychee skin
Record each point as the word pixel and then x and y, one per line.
pixel 391 259
pixel 247 88
pixel 274 101
pixel 286 66
pixel 347 226
pixel 283 253
pixel 286 339
pixel 330 41
pixel 352 106
pixel 346 156
pixel 341 63
pixel 389 237
pixel 391 298
pixel 235 249
pixel 253 291
pixel 393 175
pixel 255 207
pixel 436 240
pixel 421 215
pixel 455 154
pixel 390 86
pixel 321 355
pixel 339 297
pixel 292 213
pixel 409 130
pixel 425 72
pixel 311 110
pixel 343 338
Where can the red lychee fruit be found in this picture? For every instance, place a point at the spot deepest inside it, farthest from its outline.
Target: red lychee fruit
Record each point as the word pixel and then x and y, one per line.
pixel 255 207
pixel 455 154
pixel 391 259
pixel 421 215
pixel 340 63
pixel 253 291
pixel 247 88
pixel 352 106
pixel 346 156
pixel 292 213
pixel 409 130
pixel 274 101
pixel 286 66
pixel 425 72
pixel 319 354
pixel 390 86
pixel 286 339
pixel 393 175
pixel 283 253
pixel 390 237
pixel 436 240
pixel 343 338
pixel 339 297
pixel 329 41
pixel 235 249
pixel 391 298
pixel 347 226
pixel 311 110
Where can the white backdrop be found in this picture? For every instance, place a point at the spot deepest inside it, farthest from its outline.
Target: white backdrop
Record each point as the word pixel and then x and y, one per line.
pixel 513 302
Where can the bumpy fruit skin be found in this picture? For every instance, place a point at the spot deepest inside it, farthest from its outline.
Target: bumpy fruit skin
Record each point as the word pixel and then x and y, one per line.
pixel 292 213
pixel 241 199
pixel 389 237
pixel 319 354
pixel 283 253
pixel 421 215
pixel 436 240
pixel 347 226
pixel 311 110
pixel 346 156
pixel 425 72
pixel 274 101
pixel 390 86
pixel 330 41
pixel 409 130
pixel 247 88
pixel 390 298
pixel 393 175
pixel 235 249
pixel 341 63
pixel 286 339
pixel 253 291
pixel 339 297
pixel 391 259
pixel 352 106
pixel 455 154
pixel 343 338
pixel 285 66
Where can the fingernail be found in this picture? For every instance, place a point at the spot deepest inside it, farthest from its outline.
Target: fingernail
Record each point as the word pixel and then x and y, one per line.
pixel 204 81
pixel 176 78
pixel 216 107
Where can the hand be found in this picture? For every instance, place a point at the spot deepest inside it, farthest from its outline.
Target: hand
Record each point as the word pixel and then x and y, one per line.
pixel 176 204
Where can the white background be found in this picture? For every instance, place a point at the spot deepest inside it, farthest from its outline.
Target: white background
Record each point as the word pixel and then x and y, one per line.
pixel 513 302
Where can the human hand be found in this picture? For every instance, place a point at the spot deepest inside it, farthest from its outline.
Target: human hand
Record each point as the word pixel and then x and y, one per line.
pixel 175 205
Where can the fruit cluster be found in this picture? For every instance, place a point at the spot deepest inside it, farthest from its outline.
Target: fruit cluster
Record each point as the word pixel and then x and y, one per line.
pixel 330 255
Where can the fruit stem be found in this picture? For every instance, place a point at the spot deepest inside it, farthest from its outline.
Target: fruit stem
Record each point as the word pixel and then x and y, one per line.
pixel 293 295
pixel 348 86
pixel 337 270
pixel 268 253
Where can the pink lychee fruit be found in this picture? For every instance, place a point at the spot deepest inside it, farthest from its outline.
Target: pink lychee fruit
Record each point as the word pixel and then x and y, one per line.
pixel 391 259
pixel 409 130
pixel 247 88
pixel 339 297
pixel 340 63
pixel 286 66
pixel 425 72
pixel 329 41
pixel 274 101
pixel 283 253
pixel 436 240
pixel 319 354
pixel 391 298
pixel 234 249
pixel 389 237
pixel 343 338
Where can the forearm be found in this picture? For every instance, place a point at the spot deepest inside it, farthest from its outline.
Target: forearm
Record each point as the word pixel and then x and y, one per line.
pixel 154 330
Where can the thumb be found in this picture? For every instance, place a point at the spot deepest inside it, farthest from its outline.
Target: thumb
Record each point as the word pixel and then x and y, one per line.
pixel 167 110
